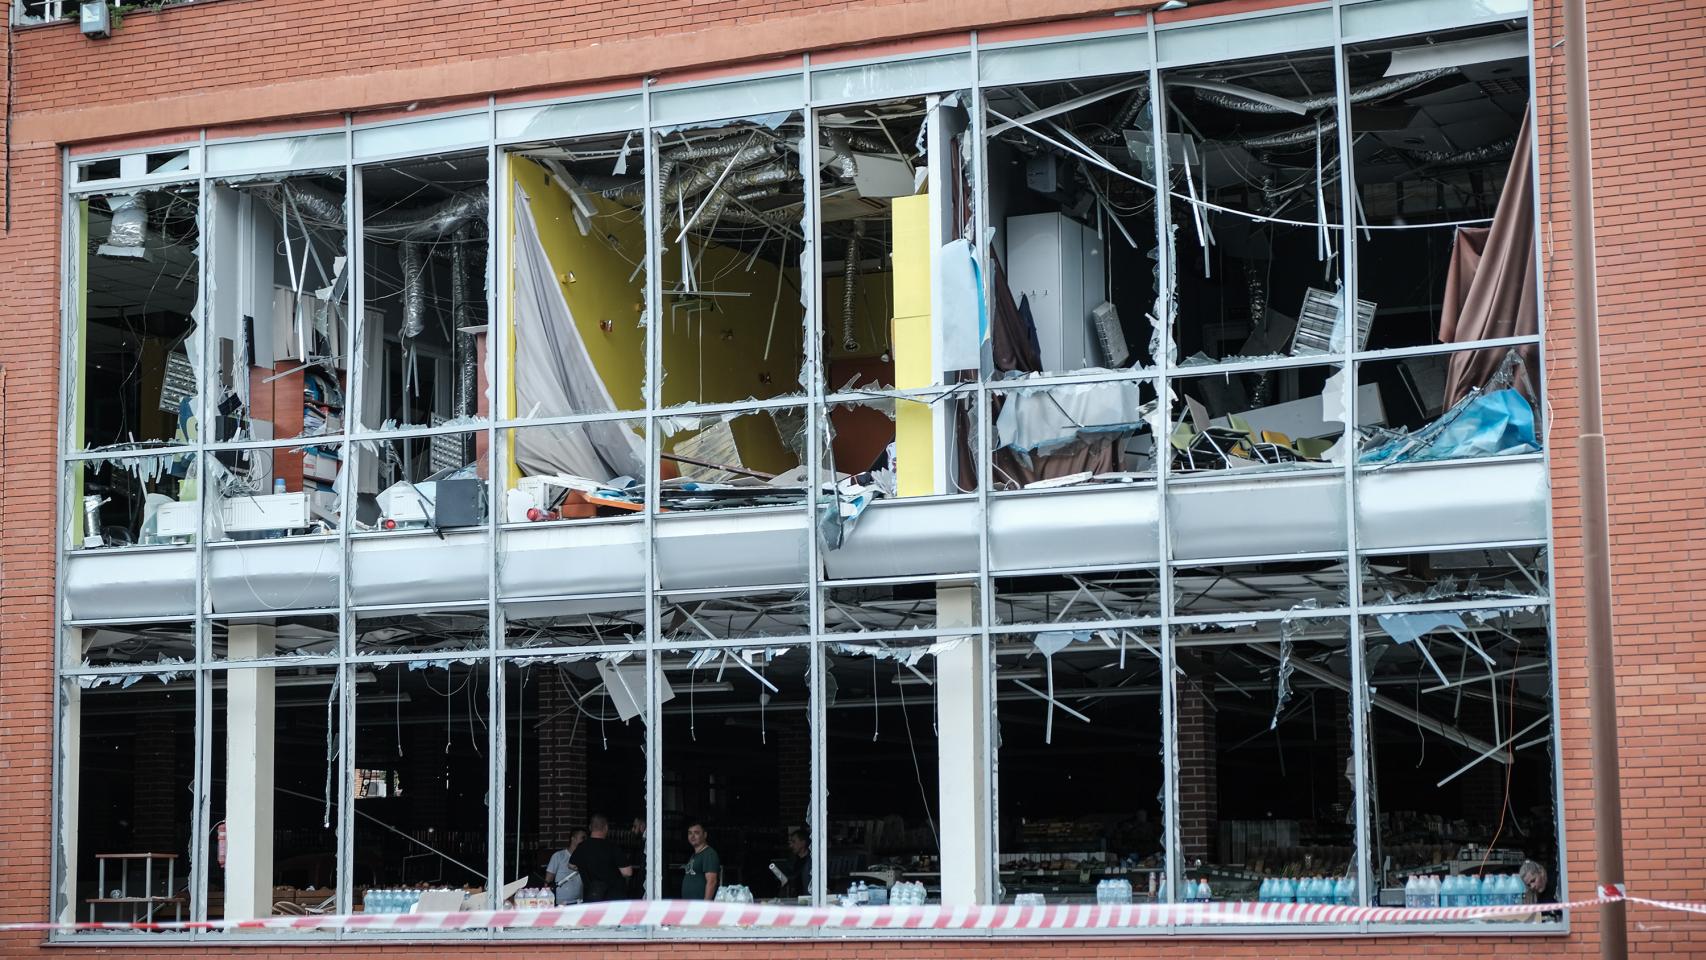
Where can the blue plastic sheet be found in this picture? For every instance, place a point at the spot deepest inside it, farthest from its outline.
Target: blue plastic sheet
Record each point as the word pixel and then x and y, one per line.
pixel 1497 423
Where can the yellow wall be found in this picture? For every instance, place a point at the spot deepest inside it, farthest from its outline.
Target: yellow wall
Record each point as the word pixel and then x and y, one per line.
pixel 599 290
pixel 915 444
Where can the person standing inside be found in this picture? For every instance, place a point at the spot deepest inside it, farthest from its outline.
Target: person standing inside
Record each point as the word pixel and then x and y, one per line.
pixel 637 862
pixel 601 863
pixel 560 873
pixel 799 866
pixel 704 868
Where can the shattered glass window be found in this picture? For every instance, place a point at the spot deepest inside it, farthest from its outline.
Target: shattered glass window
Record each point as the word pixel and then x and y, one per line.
pixel 1446 575
pixel 264 493
pixel 1079 764
pixel 129 644
pixel 1073 434
pixel 1283 418
pixel 1444 181
pixel 279 307
pixel 736 760
pixel 276 787
pixel 125 781
pixel 897 607
pixel 734 260
pixel 884 446
pixel 881 761
pixel 422 821
pixel 1266 777
pixel 1246 587
pixel 447 632
pixel 1078 597
pixel 1451 406
pixel 133 501
pixel 425 235
pixel 578 259
pixel 423 481
pixel 574 471
pixel 138 305
pixel 1253 185
pixel 737 459
pixel 1071 196
pixel 1462 746
pixel 575 732
pixel 592 621
pixel 896 224
pixel 265 637
pixel 728 615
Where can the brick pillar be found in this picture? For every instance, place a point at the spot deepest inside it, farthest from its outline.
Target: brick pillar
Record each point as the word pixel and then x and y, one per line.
pixel 1198 770
pixel 561 758
pixel 160 815
pixel 794 746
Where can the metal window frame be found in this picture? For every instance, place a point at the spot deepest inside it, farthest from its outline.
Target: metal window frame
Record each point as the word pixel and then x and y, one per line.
pixel 814 400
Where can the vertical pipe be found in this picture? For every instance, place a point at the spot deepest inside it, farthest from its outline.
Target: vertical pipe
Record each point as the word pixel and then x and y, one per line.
pixel 1590 450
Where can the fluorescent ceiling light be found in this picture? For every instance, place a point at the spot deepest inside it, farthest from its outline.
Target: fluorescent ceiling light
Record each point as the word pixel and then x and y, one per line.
pixel 1457 53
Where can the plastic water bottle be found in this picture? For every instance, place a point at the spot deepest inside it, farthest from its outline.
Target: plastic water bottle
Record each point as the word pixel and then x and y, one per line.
pixel 1346 892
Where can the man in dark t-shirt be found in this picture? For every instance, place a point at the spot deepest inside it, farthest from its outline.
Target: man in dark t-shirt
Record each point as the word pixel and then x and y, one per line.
pixel 601 863
pixel 704 868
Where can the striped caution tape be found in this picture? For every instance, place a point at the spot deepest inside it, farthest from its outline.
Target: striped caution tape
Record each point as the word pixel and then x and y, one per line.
pixel 689 913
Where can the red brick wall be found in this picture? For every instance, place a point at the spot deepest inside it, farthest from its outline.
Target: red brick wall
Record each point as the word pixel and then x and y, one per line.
pixel 272 60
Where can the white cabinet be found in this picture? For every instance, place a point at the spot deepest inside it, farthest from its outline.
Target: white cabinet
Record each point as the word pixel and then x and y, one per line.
pixel 1058 266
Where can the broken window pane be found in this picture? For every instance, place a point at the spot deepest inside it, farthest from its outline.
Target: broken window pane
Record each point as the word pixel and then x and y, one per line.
pixel 1452 406
pixel 594 621
pixel 1257 420
pixel 736 760
pixel 123 644
pixel 1440 150
pixel 137 306
pixel 731 208
pixel 1078 597
pixel 892 607
pixel 422 779
pixel 1073 434
pixel 895 197
pixel 1462 745
pixel 578 252
pixel 379 632
pixel 575 730
pixel 280 307
pixel 423 340
pixel 264 493
pixel 1072 207
pixel 751 459
pixel 1079 763
pixel 147 501
pixel 275 790
pixel 1431 577
pixel 1253 170
pixel 423 481
pixel 720 615
pixel 899 447
pixel 1250 587
pixel 882 768
pixel 261 637
pixel 575 471
pixel 125 780
pixel 1266 773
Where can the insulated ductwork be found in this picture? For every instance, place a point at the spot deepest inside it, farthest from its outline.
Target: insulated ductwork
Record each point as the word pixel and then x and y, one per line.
pixel 1290 138
pixel 129 229
pixel 841 155
pixel 850 280
pixel 733 185
pixel 1481 154
pixel 462 343
pixel 412 258
pixel 435 221
pixel 1373 91
pixel 308 202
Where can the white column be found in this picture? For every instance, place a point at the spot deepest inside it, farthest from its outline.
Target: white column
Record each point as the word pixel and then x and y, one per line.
pixel 249 777
pixel 962 755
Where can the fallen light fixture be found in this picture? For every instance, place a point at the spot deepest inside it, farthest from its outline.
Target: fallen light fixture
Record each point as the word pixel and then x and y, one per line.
pixel 94 18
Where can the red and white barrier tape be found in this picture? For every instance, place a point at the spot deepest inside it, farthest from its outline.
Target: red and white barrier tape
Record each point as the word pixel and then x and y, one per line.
pixel 688 913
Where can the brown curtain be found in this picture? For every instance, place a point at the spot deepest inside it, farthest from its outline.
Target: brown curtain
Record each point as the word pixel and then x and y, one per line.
pixel 1490 286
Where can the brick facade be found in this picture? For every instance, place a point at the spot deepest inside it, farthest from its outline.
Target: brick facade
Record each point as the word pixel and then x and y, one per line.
pixel 257 66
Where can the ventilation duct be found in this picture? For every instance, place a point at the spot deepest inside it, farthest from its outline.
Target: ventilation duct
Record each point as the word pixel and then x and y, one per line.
pixel 1362 94
pixel 129 229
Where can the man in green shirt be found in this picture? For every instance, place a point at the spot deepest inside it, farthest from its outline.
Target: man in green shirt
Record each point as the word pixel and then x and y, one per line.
pixel 704 868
